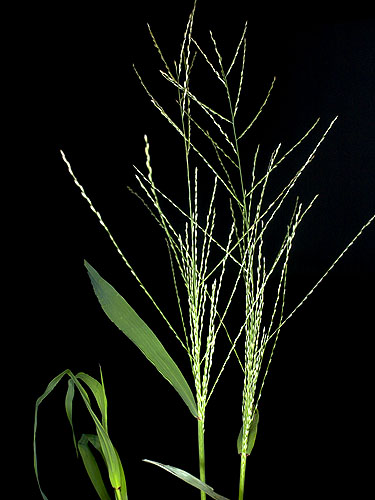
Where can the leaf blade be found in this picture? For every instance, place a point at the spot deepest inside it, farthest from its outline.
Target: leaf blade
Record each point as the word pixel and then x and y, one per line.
pixel 110 455
pixel 252 435
pixel 92 468
pixel 69 409
pixel 49 389
pixel 98 391
pixel 188 478
pixel 128 321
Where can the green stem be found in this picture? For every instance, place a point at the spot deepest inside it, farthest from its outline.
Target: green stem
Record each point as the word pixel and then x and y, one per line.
pixel 202 461
pixel 118 494
pixel 242 476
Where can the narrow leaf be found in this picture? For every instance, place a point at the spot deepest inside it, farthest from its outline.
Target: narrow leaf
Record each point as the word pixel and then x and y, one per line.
pixel 109 452
pixel 123 491
pixel 94 440
pixel 48 390
pixel 188 478
pixel 98 391
pixel 252 435
pixel 91 467
pixel 69 409
pixel 111 458
pixel 110 455
pixel 128 321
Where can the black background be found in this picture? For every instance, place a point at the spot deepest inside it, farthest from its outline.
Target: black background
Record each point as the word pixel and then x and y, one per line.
pixel 75 89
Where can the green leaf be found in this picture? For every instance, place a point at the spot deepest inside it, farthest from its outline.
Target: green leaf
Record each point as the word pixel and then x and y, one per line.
pixel 188 478
pixel 48 390
pixel 123 491
pixel 98 391
pixel 252 434
pixel 128 321
pixel 91 465
pixel 69 409
pixel 110 455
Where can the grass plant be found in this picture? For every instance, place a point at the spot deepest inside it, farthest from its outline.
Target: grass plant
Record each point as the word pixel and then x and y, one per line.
pixel 99 441
pixel 210 273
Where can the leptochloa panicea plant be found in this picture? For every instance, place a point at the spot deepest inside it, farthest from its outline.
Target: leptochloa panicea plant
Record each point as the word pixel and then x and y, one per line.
pixel 209 271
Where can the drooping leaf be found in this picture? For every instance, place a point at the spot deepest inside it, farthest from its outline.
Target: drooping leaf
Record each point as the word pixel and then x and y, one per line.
pixel 110 455
pixel 91 465
pixel 252 435
pixel 49 389
pixel 128 321
pixel 188 478
pixel 69 409
pixel 98 391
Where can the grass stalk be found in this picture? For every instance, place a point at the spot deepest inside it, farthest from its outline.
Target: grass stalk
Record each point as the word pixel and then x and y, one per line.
pixel 202 459
pixel 118 494
pixel 241 489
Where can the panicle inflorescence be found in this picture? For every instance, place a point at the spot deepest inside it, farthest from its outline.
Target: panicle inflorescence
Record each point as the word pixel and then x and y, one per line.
pixel 198 272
